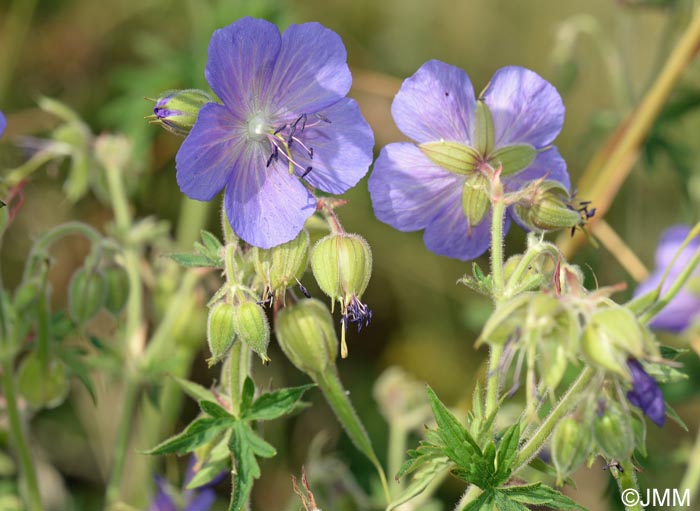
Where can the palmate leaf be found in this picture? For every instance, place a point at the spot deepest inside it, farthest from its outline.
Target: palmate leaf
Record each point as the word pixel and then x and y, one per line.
pixel 539 494
pixel 432 470
pixel 275 404
pixel 199 432
pixel 195 390
pixel 245 445
pixel 506 453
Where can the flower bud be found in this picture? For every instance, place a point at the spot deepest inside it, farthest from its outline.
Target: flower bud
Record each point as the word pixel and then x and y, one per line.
pixel 613 432
pixel 117 289
pixel 42 388
pixel 220 331
pixel 610 337
pixel 547 208
pixel 281 266
pixel 571 444
pixel 27 294
pixel 251 326
pixel 475 198
pixel 342 266
pixel 177 110
pixel 86 294
pixel 306 335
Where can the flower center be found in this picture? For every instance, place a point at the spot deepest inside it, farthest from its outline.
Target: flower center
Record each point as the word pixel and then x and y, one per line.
pixel 257 127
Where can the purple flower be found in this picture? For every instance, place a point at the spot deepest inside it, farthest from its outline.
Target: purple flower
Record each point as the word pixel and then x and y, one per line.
pixel 200 499
pixel 685 306
pixel 410 191
pixel 646 394
pixel 284 119
pixel 3 123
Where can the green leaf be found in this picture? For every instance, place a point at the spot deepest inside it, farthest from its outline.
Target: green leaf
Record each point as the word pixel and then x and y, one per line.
pixel 452 433
pixel 195 390
pixel 663 373
pixel 541 466
pixel 539 494
pixel 485 502
pixel 246 469
pixel 671 352
pixel 215 461
pixel 278 403
pixel 210 241
pixel 434 470
pixel 73 358
pixel 507 452
pixel 199 432
pixel 671 414
pixel 259 445
pixel 247 394
pixel 215 410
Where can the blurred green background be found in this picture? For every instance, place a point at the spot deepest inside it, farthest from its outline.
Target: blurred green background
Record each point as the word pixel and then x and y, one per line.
pixel 102 58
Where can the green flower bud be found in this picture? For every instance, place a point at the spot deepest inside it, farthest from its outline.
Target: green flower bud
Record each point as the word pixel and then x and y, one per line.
pixel 572 442
pixel 513 158
pixel 306 335
pixel 548 208
pixel 342 266
pixel 281 266
pixel 42 388
pixel 451 156
pixel 177 110
pixel 611 336
pixel 27 294
pixel 220 331
pixel 87 292
pixel 476 201
pixel 117 288
pixel 250 323
pixel 613 433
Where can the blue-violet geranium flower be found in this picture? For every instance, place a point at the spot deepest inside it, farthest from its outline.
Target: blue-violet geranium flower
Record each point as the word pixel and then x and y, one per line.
pixel 3 123
pixel 510 126
pixel 168 498
pixel 684 308
pixel 284 119
pixel 646 394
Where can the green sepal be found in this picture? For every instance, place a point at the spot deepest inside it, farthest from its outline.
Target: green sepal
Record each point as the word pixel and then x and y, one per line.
pixel 484 133
pixel 451 156
pixel 512 158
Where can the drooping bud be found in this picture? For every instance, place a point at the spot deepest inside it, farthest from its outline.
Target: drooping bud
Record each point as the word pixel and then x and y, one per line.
pixel 177 110
pixel 87 292
pixel 476 201
pixel 250 323
pixel 27 294
pixel 117 282
pixel 571 445
pixel 221 332
pixel 342 266
pixel 42 387
pixel 452 156
pixel 306 335
pixel 547 208
pixel 281 266
pixel 513 158
pixel 611 336
pixel 613 432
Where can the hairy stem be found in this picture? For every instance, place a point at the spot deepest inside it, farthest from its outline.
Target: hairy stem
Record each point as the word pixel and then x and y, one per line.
pixel 627 482
pixel 691 478
pixel 19 440
pixel 121 442
pixel 338 399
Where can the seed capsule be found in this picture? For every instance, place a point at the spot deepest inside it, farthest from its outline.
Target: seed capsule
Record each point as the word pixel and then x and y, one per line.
pixel 87 292
pixel 281 266
pixel 177 110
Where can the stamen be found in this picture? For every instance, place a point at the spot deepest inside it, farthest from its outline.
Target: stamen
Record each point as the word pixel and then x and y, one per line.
pixel 309 150
pixel 323 118
pixel 279 129
pixel 306 172
pixel 274 156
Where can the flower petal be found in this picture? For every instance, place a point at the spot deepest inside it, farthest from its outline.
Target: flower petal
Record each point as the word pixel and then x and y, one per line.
pixel 311 72
pixel 646 393
pixel 407 189
pixel 3 123
pixel 162 500
pixel 525 108
pixel 241 58
pixel 448 234
pixel 671 240
pixel 266 206
pixel 679 313
pixel 342 149
pixel 203 501
pixel 209 153
pixel 436 103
